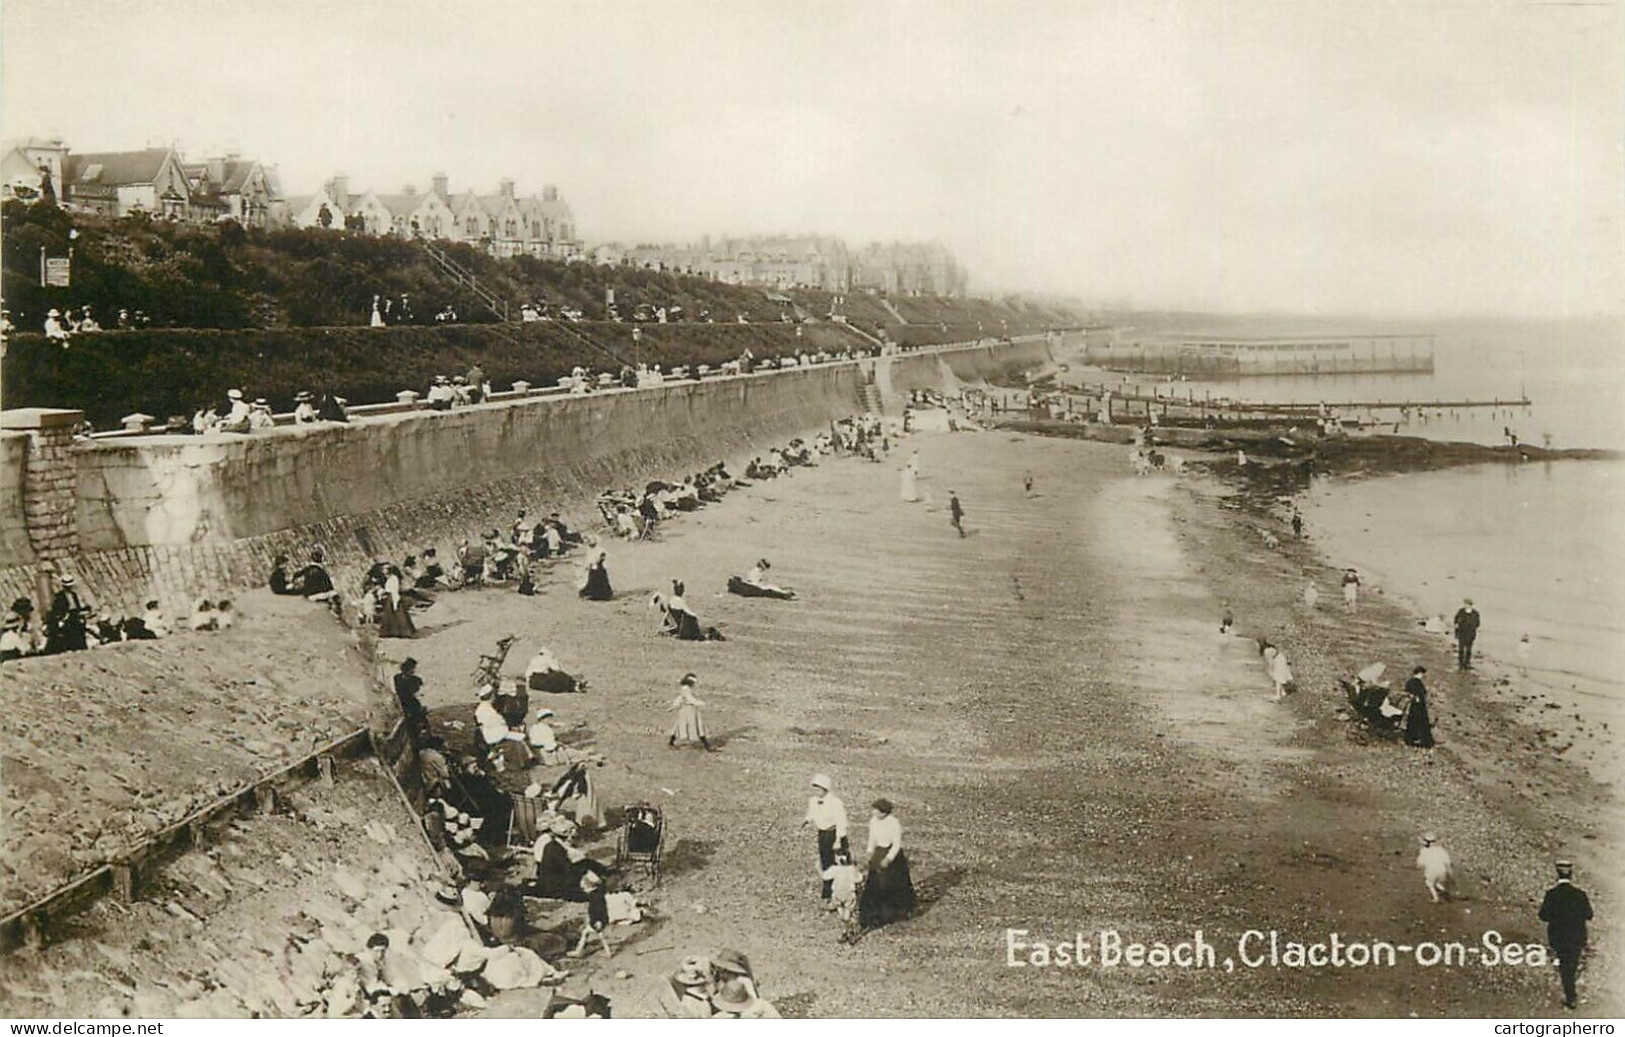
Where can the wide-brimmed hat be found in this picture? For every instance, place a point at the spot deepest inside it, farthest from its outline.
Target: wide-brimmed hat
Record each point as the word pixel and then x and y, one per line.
pixel 543 714
pixel 66 579
pixel 695 971
pixel 729 960
pixel 234 394
pixel 486 691
pixel 820 781
pixel 54 313
pixel 1428 838
pixel 561 825
pixel 303 397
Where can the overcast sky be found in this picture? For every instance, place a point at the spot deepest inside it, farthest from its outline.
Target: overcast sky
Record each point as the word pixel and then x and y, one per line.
pixel 1383 158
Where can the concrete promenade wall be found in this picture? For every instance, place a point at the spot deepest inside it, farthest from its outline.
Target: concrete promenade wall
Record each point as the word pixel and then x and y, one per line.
pixel 173 517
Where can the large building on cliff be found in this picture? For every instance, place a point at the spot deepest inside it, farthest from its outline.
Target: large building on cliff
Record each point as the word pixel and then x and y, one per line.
pixel 809 261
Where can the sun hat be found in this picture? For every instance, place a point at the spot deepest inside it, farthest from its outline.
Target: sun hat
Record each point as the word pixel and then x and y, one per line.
pixel 234 394
pixel 1428 838
pixel 695 971
pixel 732 961
pixel 820 781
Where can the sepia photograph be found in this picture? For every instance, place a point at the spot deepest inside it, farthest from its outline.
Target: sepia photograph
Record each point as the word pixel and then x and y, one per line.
pixel 739 509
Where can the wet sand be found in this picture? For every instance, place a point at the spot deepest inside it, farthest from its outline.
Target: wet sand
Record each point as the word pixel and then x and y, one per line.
pixel 1070 742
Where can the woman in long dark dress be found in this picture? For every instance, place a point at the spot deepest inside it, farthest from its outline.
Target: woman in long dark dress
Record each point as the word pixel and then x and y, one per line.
pixel 888 892
pixel 1418 724
pixel 395 619
pixel 597 587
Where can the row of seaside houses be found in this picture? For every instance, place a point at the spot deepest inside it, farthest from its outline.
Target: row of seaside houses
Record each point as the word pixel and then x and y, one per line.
pixel 160 182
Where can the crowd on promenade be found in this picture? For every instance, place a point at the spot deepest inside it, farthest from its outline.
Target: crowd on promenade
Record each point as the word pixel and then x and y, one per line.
pixel 239 414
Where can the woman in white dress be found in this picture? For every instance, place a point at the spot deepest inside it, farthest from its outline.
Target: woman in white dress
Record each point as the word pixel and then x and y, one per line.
pixel 911 476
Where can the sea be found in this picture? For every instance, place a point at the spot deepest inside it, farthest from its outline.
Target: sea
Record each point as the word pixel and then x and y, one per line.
pixel 1538 546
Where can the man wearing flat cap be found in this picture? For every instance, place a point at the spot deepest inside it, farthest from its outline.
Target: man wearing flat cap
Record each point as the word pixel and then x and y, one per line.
pixel 1566 910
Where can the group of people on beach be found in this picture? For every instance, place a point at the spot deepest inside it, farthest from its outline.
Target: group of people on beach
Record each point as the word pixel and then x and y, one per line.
pixel 516 769
pixel 1565 909
pixel 71 624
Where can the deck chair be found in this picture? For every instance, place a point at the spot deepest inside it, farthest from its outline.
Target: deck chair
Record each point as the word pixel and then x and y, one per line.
pixel 523 827
pixel 641 839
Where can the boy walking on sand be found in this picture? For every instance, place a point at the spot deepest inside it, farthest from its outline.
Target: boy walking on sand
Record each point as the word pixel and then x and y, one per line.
pixel 956 512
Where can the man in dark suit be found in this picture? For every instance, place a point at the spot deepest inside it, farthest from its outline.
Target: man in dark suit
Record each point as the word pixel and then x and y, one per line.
pixel 1566 910
pixel 1466 633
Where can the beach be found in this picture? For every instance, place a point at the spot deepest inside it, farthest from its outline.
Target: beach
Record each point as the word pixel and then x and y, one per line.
pixel 1072 745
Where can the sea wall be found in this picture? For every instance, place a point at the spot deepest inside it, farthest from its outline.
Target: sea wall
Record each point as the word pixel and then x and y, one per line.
pixel 173 517
pixel 13 508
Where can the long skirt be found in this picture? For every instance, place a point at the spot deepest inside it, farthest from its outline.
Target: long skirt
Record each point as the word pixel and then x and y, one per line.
pixel 1418 725
pixel 554 682
pixel 888 892
pixel 597 588
pixel 690 725
pixel 395 620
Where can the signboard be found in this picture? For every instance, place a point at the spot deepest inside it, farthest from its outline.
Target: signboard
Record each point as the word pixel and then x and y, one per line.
pixel 58 272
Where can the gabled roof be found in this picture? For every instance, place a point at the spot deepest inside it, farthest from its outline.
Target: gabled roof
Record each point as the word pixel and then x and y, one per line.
pixel 496 204
pixel 555 209
pixel 406 204
pixel 114 168
pixel 461 203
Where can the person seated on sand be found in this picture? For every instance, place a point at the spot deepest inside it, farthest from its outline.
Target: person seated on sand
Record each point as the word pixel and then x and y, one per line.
pixel 559 867
pixel 754 584
pixel 626 523
pixel 149 625
pixel 594 585
pixel 279 581
pixel 679 622
pixel 543 673
pixel 735 996
pixel 225 615
pixel 433 574
pixel 203 617
pixel 508 924
pixel 686 993
pixel 513 703
pixel 492 724
pixel 471 558
pixel 313 581
pixel 13 642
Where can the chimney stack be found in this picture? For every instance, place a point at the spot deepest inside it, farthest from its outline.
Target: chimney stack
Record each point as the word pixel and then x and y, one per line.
pixel 440 183
pixel 505 188
pixel 550 193
pixel 341 189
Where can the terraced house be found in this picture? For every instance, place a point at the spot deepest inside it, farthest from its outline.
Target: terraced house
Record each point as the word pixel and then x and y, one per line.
pixel 503 223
